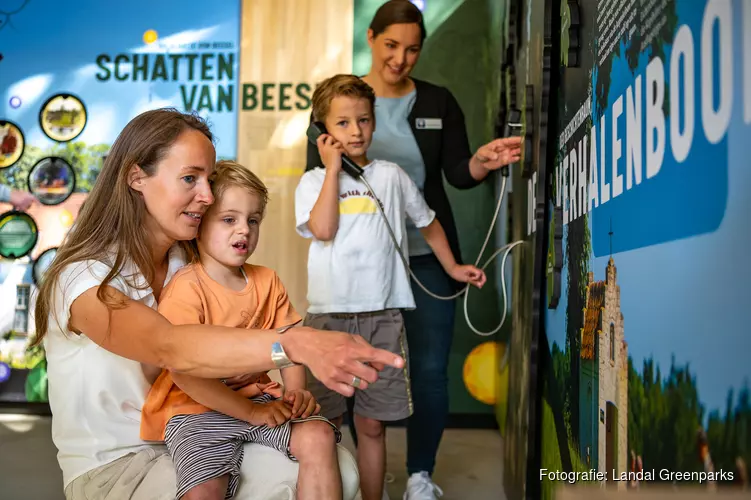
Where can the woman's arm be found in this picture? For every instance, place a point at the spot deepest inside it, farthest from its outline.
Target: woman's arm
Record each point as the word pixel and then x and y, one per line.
pixel 137 332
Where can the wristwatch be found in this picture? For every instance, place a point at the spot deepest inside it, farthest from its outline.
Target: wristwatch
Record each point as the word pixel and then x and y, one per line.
pixel 278 356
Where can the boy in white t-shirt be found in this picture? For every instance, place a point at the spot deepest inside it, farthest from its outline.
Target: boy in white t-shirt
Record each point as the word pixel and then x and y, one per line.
pixel 356 280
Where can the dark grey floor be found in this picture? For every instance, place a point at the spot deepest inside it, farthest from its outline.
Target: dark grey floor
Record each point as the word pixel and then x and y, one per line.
pixel 28 467
pixel 469 463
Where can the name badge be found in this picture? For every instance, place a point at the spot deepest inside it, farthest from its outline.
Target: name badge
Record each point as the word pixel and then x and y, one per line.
pixel 429 123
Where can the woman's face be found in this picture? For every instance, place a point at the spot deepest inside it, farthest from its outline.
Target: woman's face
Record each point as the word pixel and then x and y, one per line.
pixel 178 194
pixel 395 51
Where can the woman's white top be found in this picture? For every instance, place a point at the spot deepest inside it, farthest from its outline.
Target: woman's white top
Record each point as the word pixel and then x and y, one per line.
pixel 95 396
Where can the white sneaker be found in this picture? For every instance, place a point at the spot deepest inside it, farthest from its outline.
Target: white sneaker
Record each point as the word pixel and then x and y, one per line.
pixel 421 487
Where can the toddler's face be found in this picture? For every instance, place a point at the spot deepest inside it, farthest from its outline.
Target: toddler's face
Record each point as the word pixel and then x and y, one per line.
pixel 350 121
pixel 230 229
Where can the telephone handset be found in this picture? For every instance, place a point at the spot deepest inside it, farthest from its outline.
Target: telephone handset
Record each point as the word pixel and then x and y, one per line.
pixel 315 130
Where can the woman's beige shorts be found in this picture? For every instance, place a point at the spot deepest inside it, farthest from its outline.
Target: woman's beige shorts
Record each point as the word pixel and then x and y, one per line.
pixel 150 475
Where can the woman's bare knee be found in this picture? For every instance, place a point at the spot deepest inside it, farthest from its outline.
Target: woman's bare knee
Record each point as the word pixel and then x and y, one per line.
pixel 312 438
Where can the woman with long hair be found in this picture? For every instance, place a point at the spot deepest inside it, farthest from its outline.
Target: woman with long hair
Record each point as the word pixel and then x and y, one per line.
pixel 95 313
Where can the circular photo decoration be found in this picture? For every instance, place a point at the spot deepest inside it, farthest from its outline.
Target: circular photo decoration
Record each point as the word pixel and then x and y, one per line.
pixel 52 180
pixel 41 265
pixel 4 372
pixel 12 143
pixel 63 117
pixel 18 234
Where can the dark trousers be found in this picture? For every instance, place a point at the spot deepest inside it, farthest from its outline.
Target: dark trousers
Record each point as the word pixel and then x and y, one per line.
pixel 430 331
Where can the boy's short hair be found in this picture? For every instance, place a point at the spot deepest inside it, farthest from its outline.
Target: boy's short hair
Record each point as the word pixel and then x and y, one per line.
pixel 228 173
pixel 340 86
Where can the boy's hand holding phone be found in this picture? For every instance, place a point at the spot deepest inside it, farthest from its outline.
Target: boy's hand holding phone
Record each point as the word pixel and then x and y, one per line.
pixel 331 152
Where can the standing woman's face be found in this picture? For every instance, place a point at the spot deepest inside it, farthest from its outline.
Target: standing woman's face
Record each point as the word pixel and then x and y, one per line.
pixel 395 51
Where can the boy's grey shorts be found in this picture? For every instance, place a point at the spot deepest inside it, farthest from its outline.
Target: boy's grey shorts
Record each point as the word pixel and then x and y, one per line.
pixel 390 398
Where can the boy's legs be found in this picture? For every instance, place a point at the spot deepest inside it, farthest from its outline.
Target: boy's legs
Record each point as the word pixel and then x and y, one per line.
pixel 371 456
pixel 389 399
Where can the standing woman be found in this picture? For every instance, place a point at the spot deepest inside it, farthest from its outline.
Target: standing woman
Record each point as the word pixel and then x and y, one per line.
pixel 420 127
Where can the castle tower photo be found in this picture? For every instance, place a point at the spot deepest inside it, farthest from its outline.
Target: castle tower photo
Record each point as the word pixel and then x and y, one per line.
pixel 603 378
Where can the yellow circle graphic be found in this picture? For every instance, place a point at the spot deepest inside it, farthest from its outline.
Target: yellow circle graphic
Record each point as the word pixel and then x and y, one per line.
pixel 63 117
pixel 66 218
pixel 11 143
pixel 481 373
pixel 150 36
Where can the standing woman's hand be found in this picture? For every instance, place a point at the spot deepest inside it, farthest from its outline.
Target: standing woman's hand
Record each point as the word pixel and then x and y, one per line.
pixel 341 361
pixel 498 153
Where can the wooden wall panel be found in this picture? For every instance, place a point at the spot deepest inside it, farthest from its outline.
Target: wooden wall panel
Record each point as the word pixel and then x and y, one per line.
pixel 299 43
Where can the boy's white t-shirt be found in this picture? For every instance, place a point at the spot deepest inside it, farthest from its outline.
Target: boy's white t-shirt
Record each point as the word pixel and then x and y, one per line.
pixel 95 396
pixel 359 270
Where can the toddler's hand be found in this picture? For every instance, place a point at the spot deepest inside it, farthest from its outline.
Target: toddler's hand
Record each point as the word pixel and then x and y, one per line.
pixel 271 414
pixel 303 403
pixel 468 274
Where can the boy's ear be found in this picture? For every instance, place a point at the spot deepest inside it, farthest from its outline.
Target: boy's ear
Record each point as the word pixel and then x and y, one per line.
pixel 135 178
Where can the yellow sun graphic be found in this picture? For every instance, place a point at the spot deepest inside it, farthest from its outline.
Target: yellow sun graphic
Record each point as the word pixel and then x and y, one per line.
pixel 481 375
pixel 66 218
pixel 150 36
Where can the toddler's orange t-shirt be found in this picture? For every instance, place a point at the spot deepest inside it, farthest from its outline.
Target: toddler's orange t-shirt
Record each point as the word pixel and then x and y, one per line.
pixel 192 297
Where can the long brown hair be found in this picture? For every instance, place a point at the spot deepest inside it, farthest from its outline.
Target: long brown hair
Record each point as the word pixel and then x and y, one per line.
pixel 111 220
